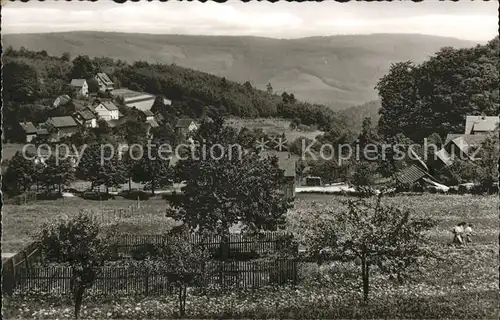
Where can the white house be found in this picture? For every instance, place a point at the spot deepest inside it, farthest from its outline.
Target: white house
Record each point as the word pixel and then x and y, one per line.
pixel 105 83
pixel 481 124
pixel 81 85
pixel 107 110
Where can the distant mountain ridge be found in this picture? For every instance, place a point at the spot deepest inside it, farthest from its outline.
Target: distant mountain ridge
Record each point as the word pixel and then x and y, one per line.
pixel 338 71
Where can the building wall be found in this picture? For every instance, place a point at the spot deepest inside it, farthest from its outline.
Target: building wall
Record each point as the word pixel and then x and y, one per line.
pixel 30 137
pixel 106 114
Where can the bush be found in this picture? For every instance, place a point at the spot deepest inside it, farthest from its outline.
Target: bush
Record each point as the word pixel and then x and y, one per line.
pixel 54 195
pixel 144 251
pixel 94 195
pixel 135 194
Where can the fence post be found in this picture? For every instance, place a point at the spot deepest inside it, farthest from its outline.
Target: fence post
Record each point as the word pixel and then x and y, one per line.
pixel 147 281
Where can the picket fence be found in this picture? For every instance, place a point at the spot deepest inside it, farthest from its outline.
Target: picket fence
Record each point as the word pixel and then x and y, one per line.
pixel 267 242
pixel 136 280
pixel 23 271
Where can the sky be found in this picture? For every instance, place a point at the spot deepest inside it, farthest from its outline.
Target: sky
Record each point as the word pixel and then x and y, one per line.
pixel 469 20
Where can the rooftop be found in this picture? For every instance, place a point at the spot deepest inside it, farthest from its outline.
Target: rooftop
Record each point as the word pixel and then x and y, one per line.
pixel 486 123
pixel 62 122
pixel 78 82
pixel 28 127
pixel 184 123
pixel 410 175
pixel 104 78
pixel 109 105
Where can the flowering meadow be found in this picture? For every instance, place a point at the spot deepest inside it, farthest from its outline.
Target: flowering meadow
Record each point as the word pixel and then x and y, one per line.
pixel 461 284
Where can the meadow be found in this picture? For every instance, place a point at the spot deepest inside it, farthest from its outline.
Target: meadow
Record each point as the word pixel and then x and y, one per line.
pixel 462 284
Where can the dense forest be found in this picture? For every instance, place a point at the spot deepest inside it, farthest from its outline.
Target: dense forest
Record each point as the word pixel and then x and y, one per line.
pixel 435 96
pixel 32 80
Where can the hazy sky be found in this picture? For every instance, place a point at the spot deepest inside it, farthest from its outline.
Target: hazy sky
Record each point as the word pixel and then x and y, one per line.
pixel 476 20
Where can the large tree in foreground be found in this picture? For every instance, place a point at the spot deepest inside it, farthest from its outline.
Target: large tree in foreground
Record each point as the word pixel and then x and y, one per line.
pixel 81 243
pixel 375 236
pixel 226 186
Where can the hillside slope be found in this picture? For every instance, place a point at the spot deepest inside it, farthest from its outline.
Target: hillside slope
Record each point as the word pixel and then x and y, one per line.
pixel 339 71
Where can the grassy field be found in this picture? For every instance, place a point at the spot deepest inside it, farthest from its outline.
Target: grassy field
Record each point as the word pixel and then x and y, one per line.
pixel 462 284
pixel 273 126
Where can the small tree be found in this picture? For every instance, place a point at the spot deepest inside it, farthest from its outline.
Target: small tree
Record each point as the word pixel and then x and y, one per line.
pixel 19 175
pixel 186 264
pixel 81 243
pixel 60 173
pixel 376 235
pixel 363 176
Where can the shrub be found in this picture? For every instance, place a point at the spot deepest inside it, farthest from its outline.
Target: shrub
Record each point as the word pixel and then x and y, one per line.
pixel 144 251
pixel 135 194
pixel 94 195
pixel 49 195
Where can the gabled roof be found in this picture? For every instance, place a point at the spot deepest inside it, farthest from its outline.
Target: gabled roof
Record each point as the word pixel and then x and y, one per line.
pixel 104 78
pixel 62 122
pixel 28 127
pixel 444 156
pixel 184 123
pixel 471 139
pixel 153 123
pixel 485 126
pixel 78 82
pixel 144 103
pixel 86 114
pixel 110 106
pixel 42 132
pixel 148 113
pixel 410 175
pixel 489 122
pixel 62 100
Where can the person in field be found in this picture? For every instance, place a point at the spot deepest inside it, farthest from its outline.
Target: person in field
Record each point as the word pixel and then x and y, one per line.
pixel 458 233
pixel 468 233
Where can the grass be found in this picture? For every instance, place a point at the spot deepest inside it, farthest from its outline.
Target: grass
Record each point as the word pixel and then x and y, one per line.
pixel 21 222
pixel 273 126
pixel 463 285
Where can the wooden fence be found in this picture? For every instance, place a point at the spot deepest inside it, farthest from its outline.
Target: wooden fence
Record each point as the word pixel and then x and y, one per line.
pixel 268 242
pixel 19 273
pixel 126 280
pixel 13 266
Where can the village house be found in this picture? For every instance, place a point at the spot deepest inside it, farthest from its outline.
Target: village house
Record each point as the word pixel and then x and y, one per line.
pixel 462 146
pixel 105 83
pixel 481 124
pixel 63 126
pixel 86 118
pixel 184 126
pixel 81 85
pixel 107 111
pixel 147 115
pixel 29 131
pixel 139 100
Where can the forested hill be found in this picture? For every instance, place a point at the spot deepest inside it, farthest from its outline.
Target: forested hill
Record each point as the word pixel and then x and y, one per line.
pixel 32 80
pixel 338 71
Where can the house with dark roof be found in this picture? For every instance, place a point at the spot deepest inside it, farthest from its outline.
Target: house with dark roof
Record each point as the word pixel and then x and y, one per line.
pixel 104 81
pixel 81 85
pixel 86 118
pixel 185 126
pixel 29 130
pixel 63 126
pixel 107 110
pixel 147 115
